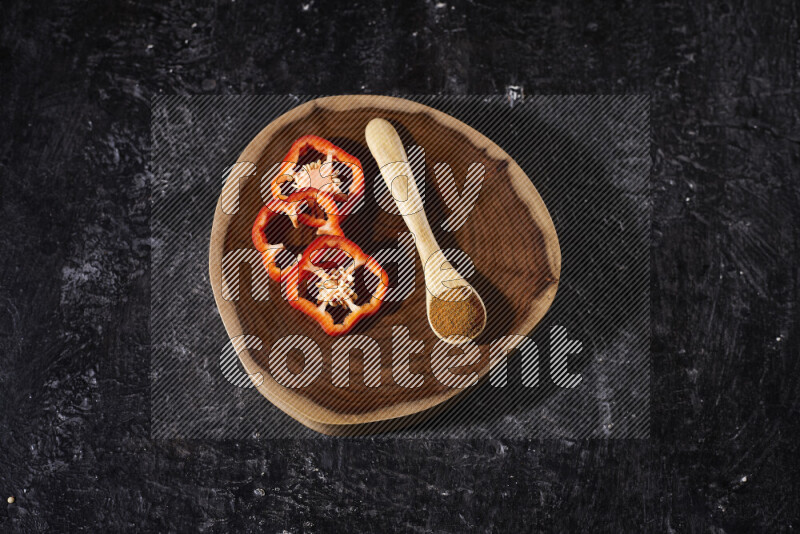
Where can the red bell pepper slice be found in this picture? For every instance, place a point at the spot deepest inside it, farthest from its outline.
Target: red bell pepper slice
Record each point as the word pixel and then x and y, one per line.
pixel 320 175
pixel 335 286
pixel 325 215
pixel 291 207
pixel 268 251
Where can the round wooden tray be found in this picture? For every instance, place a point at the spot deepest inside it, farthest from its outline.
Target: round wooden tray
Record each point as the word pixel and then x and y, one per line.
pixel 509 236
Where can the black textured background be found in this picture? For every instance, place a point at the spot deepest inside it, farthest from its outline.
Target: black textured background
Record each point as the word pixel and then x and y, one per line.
pixel 75 86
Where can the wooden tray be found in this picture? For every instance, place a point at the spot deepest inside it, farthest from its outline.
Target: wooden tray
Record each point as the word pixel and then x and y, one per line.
pixel 509 236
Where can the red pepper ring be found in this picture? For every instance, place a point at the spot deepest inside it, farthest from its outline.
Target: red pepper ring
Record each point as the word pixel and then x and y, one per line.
pixel 313 171
pixel 336 286
pixel 325 215
pixel 320 203
pixel 268 251
pixel 312 198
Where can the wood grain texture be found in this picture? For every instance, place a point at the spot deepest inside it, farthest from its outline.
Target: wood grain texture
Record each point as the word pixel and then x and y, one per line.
pixel 509 236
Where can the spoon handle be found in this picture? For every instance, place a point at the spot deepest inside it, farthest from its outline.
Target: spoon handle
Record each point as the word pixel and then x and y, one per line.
pixel 388 151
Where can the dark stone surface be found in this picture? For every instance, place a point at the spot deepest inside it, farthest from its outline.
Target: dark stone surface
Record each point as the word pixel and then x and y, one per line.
pixel 76 83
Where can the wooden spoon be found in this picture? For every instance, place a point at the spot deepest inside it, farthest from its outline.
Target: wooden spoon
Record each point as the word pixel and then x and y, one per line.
pixel 458 310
